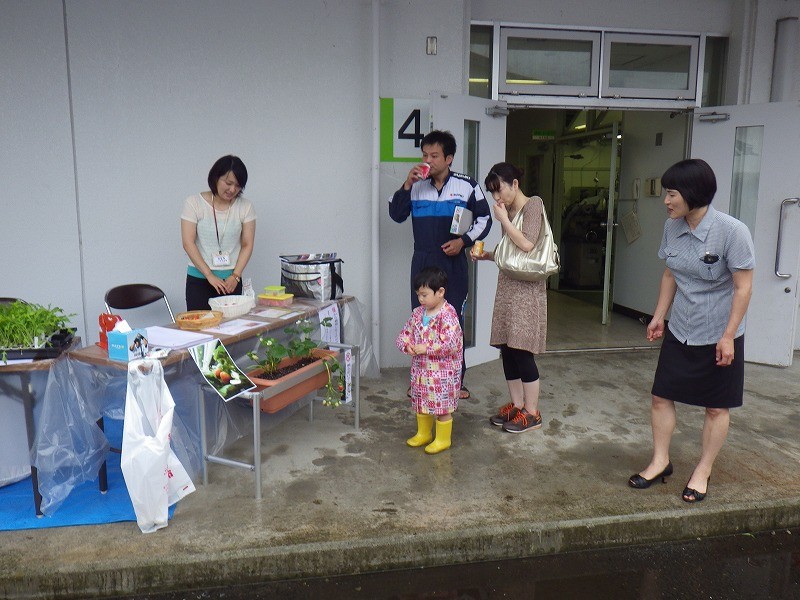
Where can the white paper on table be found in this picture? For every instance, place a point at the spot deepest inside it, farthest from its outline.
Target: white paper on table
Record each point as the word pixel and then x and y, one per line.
pixel 235 326
pixel 166 337
pixel 330 334
pixel 271 313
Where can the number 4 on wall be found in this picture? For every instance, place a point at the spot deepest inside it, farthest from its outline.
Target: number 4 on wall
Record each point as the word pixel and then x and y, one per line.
pixel 404 122
pixel 413 119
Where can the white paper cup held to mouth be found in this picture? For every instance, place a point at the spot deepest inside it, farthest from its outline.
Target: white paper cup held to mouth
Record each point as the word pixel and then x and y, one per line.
pixel 424 170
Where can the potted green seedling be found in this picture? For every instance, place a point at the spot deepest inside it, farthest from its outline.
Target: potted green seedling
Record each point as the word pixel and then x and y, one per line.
pixel 33 331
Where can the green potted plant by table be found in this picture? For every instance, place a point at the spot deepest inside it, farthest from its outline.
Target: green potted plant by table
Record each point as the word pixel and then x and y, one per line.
pixel 33 331
pixel 301 360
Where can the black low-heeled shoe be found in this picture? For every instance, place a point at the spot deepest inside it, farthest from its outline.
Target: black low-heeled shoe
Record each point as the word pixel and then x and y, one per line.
pixel 640 483
pixel 691 495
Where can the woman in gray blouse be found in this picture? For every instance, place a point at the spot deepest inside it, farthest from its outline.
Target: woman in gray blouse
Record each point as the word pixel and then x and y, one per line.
pixel 707 281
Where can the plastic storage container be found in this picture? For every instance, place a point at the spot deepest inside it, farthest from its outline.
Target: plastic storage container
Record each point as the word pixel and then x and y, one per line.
pixel 274 290
pixel 279 300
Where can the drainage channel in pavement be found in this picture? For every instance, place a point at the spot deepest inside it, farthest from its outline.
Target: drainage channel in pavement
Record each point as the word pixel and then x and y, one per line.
pixel 763 565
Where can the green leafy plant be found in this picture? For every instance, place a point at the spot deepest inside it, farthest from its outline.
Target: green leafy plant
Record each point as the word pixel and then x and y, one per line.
pixel 300 346
pixel 334 389
pixel 24 325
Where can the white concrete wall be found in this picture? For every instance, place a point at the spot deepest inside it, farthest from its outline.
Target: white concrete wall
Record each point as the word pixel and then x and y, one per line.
pixel 39 228
pixel 160 90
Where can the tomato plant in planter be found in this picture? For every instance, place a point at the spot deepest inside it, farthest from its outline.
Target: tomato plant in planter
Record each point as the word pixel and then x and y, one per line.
pixel 278 359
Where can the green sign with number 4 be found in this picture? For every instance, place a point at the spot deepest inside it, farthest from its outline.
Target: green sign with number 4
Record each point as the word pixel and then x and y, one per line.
pixel 404 122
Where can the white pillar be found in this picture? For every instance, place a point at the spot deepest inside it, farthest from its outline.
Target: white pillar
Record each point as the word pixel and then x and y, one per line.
pixel 784 60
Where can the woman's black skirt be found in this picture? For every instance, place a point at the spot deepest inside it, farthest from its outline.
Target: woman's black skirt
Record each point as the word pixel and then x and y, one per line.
pixel 689 374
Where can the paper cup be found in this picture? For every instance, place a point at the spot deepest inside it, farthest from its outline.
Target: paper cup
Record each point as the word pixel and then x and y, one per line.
pixel 477 248
pixel 425 169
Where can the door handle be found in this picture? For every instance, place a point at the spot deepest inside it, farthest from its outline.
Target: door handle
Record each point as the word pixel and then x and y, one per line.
pixel 784 204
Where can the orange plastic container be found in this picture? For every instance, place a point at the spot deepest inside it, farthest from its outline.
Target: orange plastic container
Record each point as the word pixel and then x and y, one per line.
pixel 279 300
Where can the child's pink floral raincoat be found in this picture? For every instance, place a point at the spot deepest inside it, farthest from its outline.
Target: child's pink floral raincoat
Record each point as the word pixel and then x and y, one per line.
pixel 436 376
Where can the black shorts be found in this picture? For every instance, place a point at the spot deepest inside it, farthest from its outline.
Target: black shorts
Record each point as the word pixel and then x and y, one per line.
pixel 199 291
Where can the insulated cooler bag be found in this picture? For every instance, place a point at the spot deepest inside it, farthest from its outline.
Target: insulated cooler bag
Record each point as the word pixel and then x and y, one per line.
pixel 317 276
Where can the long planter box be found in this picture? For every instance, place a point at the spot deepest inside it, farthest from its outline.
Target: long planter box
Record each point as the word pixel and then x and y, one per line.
pixel 305 380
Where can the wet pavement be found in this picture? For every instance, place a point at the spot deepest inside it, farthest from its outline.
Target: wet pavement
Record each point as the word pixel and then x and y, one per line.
pixel 337 501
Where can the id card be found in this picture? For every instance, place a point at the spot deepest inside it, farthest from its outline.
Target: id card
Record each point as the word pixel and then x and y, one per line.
pixel 221 259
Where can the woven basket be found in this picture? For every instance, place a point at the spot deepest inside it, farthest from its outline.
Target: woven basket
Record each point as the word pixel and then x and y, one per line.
pixel 232 306
pixel 195 320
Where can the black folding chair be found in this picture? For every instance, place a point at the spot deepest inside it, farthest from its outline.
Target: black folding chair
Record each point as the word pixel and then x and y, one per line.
pixel 135 295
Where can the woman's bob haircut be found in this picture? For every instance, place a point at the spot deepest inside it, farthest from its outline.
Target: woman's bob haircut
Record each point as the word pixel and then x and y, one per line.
pixel 229 163
pixel 694 179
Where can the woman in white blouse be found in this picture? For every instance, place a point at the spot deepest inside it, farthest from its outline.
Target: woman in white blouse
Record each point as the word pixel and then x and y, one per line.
pixel 218 228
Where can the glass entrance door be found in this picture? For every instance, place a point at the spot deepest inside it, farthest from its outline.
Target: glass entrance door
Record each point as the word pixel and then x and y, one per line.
pixel 583 214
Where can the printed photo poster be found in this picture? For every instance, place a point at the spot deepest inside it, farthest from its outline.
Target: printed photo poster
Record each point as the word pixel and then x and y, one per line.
pixel 220 370
pixel 330 334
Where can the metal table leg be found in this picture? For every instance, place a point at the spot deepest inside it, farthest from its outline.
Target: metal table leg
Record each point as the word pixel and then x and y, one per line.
pixel 27 402
pixel 103 473
pixel 256 401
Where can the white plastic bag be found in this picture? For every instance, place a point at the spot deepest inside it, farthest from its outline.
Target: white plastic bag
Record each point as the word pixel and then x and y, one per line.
pixel 153 474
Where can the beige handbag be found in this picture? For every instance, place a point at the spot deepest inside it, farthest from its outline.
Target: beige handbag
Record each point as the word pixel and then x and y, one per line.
pixel 536 265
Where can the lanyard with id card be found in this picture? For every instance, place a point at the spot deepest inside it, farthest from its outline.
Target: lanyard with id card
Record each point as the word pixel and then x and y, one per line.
pixel 220 258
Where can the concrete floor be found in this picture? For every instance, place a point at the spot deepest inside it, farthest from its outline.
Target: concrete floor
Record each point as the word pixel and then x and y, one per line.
pixel 341 501
pixel 575 325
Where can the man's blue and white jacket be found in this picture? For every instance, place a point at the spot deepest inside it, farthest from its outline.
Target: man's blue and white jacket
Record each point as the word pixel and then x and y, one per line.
pixel 432 213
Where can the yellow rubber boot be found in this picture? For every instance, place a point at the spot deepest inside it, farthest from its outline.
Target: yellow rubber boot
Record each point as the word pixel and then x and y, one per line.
pixel 444 429
pixel 424 431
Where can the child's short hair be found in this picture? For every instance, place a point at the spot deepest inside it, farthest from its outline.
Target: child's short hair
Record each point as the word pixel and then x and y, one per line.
pixel 430 277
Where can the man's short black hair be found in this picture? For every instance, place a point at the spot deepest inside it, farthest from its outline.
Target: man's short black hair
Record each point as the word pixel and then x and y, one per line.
pixel 430 277
pixel 444 138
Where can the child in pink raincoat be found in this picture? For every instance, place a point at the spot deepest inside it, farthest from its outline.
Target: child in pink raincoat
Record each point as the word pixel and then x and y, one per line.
pixel 432 336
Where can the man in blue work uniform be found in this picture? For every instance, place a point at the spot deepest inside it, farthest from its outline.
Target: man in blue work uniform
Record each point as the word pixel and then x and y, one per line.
pixel 432 200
